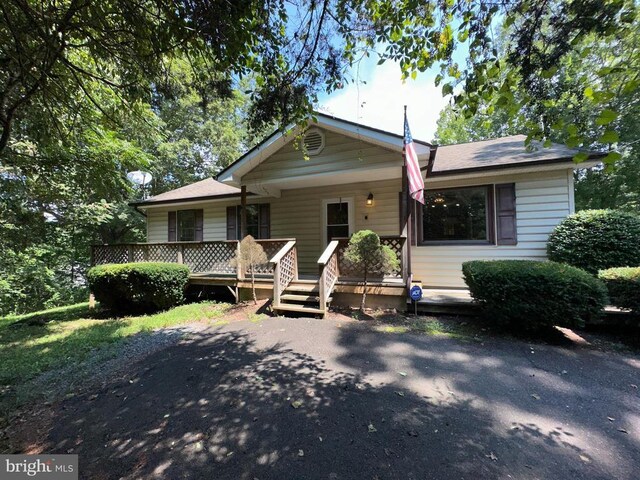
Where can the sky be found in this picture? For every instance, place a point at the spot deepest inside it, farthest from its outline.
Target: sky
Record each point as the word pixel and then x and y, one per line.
pixel 379 102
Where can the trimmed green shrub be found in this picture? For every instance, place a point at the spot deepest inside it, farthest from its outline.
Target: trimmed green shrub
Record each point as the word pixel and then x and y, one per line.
pixel 139 286
pixel 530 295
pixel 596 239
pixel 623 284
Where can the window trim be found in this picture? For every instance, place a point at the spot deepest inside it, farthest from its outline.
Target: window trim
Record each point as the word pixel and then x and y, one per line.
pixel 491 220
pixel 350 213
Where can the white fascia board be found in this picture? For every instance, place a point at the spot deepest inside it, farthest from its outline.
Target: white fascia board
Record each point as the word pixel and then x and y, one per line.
pixel 512 170
pixel 187 202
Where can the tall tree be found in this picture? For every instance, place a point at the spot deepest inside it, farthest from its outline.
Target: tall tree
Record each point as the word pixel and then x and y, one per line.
pixel 202 132
pixel 581 102
pixel 50 49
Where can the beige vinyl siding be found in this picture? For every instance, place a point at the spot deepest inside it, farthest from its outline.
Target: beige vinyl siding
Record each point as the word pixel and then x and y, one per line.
pixel 542 201
pixel 340 152
pixel 214 220
pixel 298 214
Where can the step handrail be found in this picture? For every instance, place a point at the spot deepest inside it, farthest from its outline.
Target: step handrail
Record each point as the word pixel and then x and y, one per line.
pixel 328 266
pixel 285 269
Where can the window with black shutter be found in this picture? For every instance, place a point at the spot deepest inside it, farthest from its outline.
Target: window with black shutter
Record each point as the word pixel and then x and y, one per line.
pixel 258 221
pixel 186 225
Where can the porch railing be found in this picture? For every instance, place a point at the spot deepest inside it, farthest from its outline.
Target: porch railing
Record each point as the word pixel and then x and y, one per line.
pixel 285 269
pixel 271 247
pixel 349 270
pixel 329 270
pixel 200 257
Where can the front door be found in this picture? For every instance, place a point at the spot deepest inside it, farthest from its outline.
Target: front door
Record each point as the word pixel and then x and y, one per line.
pixel 337 219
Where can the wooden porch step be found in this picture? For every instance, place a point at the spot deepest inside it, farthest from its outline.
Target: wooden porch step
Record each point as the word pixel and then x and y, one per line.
pixel 301 298
pixel 291 307
pixel 303 287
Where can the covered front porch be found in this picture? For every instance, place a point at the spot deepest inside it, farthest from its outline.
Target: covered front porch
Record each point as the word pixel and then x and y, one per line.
pixel 210 263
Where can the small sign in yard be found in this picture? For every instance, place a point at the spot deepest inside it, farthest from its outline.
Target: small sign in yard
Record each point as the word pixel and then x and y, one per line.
pixel 415 293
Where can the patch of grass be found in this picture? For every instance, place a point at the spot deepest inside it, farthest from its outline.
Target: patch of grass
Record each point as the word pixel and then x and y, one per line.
pixel 429 326
pixel 58 314
pixel 433 327
pixel 393 328
pixel 44 341
pixel 257 317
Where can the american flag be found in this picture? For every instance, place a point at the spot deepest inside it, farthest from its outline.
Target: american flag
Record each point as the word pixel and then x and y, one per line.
pixel 416 183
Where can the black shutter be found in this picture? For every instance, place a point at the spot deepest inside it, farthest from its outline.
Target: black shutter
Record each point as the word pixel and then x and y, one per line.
pixel 232 223
pixel 265 221
pixel 199 225
pixel 172 227
pixel 506 214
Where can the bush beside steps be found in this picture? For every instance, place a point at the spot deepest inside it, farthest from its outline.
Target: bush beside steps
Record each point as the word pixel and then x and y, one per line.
pixel 525 295
pixel 139 287
pixel 623 284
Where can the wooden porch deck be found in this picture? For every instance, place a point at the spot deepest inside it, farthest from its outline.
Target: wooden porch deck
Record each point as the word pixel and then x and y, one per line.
pixel 211 263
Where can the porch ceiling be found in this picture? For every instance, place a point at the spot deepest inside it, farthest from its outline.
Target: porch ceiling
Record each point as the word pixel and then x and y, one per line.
pixel 273 187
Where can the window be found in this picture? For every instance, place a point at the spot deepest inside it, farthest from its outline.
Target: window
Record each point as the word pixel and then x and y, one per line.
pixel 185 225
pixel 459 215
pixel 253 221
pixel 337 220
pixel 258 221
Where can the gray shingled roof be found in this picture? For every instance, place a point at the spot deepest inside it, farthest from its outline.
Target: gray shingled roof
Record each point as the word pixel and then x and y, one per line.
pixel 206 188
pixel 496 153
pixel 450 159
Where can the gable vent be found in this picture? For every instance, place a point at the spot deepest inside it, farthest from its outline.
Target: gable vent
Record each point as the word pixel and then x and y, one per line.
pixel 314 141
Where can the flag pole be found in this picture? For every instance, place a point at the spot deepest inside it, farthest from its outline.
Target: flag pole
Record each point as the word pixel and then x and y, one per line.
pixel 406 209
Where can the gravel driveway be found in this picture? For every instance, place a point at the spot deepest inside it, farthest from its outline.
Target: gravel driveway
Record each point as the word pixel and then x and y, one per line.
pixel 320 399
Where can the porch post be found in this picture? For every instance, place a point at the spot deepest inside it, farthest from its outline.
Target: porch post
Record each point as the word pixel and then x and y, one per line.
pixel 243 212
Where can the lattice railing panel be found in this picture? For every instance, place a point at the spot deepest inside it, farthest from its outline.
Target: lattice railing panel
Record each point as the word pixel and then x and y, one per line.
pixel 330 274
pixel 348 269
pixel 103 254
pixel 287 268
pixel 209 257
pixel 140 253
pixel 271 247
pixel 162 252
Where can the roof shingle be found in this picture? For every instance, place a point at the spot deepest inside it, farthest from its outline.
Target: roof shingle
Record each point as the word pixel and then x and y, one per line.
pixel 203 189
pixel 498 152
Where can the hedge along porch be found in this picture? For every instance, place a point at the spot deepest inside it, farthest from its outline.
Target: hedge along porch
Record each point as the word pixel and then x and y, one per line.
pixel 488 199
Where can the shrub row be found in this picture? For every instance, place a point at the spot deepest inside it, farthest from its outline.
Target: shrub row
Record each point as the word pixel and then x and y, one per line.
pixel 139 286
pixel 530 295
pixel 623 284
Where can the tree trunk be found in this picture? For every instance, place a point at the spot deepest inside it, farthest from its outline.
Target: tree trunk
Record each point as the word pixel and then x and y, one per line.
pixel 253 287
pixel 364 292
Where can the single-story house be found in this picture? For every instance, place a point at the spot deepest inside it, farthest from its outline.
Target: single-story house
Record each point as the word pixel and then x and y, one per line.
pixel 484 200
